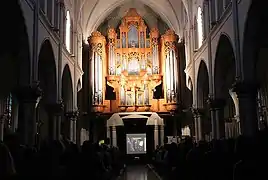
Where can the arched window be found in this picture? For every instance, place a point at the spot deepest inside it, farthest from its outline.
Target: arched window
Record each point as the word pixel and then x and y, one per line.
pixel 68 31
pixel 200 26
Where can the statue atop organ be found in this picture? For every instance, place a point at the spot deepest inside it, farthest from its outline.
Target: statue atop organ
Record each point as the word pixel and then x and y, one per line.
pixel 133 60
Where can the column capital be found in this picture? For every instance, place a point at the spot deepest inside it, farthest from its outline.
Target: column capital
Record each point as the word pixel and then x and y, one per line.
pixel 29 93
pixel 113 128
pixel 216 103
pixel 245 88
pixel 61 3
pixel 198 111
pixel 55 108
pixel 72 115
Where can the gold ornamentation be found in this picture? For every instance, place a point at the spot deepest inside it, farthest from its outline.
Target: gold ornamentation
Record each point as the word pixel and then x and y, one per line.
pixel 133 55
pixel 112 36
pixel 139 84
pixel 98 48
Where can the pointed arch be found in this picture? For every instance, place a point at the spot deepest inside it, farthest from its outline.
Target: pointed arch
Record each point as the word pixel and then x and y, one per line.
pixel 47 72
pixel 15 58
pixel 202 85
pixel 67 89
pixel 224 67
pixel 254 37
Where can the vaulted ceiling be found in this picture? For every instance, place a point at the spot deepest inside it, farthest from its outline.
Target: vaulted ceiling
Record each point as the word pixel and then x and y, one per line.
pixel 92 13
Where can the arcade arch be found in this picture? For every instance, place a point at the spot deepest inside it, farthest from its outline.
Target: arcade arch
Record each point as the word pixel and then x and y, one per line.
pixel 224 77
pixel 202 119
pixel 254 71
pixel 69 122
pixel 15 67
pixel 48 83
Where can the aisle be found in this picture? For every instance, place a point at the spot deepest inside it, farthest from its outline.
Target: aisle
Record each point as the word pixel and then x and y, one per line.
pixel 138 172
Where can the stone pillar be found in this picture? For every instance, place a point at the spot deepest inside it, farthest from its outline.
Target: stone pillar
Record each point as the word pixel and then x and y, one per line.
pixel 108 132
pixel 217 117
pixel 55 111
pixel 162 133
pixel 195 127
pixel 71 119
pixel 200 128
pixel 74 129
pixel 217 13
pixel 198 124
pixel 3 119
pixel 224 4
pixel 213 118
pixel 114 136
pixel 156 133
pixel 28 97
pixel 14 116
pixel 247 93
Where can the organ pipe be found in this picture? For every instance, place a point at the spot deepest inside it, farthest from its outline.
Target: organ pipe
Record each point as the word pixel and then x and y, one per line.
pixel 97 42
pixel 168 41
pixel 112 60
pixel 93 76
pixel 154 34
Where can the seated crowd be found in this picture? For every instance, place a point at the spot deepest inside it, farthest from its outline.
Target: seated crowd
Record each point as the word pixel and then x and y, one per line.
pixel 60 158
pixel 226 159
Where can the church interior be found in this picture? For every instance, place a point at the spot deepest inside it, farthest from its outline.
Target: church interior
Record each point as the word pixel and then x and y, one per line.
pixel 134 89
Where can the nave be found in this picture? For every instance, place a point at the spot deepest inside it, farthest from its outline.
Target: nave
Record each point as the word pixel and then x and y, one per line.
pixel 138 172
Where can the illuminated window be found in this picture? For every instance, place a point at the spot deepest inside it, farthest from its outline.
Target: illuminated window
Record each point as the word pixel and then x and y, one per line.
pixel 199 26
pixel 68 32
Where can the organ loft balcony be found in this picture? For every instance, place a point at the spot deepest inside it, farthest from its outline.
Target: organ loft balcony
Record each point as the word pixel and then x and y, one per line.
pixel 133 68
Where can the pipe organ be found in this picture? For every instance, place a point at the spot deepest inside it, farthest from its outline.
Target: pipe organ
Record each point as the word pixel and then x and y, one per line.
pixel 134 60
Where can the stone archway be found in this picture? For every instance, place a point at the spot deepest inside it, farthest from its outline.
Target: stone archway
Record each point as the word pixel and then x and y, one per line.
pixel 223 102
pixel 15 67
pixel 14 54
pixel 48 83
pixel 69 123
pixel 152 120
pixel 187 120
pixel 253 66
pixel 202 119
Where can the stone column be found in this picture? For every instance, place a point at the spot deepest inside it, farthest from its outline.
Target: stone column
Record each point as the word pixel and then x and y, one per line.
pixel 200 129
pixel 219 117
pixel 246 93
pixel 162 133
pixel 74 129
pixel 213 118
pixel 196 127
pixel 71 119
pixel 14 116
pixel 198 123
pixel 28 97
pixel 108 132
pixel 114 137
pixel 156 133
pixel 217 13
pixel 55 111
pixel 224 4
pixel 199 113
pixel 3 119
